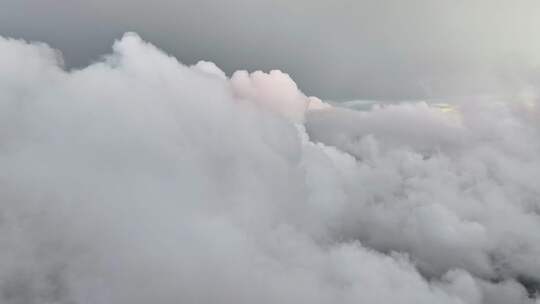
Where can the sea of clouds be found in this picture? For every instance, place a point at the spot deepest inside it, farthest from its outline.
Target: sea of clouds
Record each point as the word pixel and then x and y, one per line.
pixel 138 179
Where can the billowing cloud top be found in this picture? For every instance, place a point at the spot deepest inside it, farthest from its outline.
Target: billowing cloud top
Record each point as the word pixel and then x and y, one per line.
pixel 138 179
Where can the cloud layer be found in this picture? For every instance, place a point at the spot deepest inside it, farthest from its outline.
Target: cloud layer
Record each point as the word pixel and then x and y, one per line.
pixel 138 179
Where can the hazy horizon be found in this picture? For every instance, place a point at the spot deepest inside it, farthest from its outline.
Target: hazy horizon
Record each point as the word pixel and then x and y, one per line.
pixel 365 49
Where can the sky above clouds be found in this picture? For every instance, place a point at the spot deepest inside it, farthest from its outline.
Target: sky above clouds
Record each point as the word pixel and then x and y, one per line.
pixel 361 49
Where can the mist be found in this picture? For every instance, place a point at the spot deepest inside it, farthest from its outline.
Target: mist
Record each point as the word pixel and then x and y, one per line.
pixel 138 179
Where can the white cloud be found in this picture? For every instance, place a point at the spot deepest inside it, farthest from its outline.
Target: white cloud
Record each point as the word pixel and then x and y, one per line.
pixel 138 179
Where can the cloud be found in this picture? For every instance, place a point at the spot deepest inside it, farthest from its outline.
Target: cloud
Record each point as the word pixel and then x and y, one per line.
pixel 139 179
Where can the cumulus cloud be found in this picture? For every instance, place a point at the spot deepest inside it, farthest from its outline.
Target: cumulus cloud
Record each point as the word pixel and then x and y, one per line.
pixel 138 179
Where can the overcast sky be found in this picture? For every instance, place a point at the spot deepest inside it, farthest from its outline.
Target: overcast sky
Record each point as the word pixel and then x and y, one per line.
pixel 381 49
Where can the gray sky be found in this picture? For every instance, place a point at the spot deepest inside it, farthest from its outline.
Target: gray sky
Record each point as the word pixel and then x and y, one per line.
pixel 389 49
